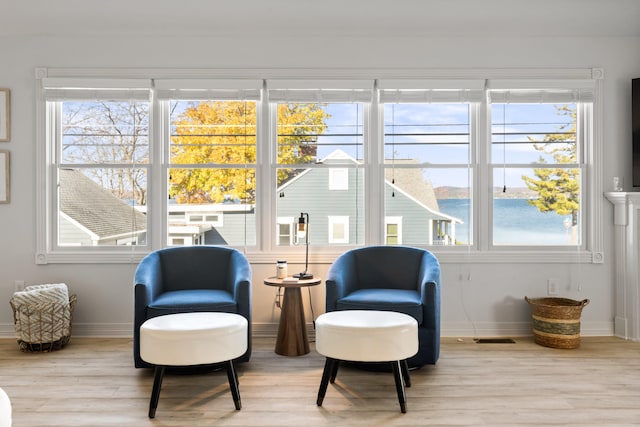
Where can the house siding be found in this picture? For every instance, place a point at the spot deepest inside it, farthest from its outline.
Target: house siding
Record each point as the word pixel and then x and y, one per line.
pixel 310 193
pixel 71 234
pixel 416 222
pixel 235 226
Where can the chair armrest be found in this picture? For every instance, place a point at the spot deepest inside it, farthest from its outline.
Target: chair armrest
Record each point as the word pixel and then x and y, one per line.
pixel 147 286
pixel 239 282
pixel 430 290
pixel 341 280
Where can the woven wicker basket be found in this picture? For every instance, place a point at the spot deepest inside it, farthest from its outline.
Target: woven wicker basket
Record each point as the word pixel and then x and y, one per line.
pixel 556 321
pixel 42 319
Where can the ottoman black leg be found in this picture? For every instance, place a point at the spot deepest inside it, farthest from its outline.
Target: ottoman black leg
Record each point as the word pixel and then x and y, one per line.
pixel 155 393
pixel 329 366
pixel 399 386
pixel 405 373
pixel 334 371
pixel 233 384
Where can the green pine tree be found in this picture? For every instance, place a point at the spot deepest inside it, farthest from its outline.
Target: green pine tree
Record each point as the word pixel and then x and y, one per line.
pixel 558 189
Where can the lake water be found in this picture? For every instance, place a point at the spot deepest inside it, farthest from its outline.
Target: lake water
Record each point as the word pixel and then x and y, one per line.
pixel 515 222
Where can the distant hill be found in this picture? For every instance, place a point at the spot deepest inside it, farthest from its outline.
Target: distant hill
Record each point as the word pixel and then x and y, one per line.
pixel 463 193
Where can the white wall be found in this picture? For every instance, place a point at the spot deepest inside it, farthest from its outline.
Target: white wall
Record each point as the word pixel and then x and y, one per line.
pixel 477 299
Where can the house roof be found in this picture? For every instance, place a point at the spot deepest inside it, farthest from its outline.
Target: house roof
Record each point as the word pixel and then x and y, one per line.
pixel 95 208
pixel 412 183
pixel 408 180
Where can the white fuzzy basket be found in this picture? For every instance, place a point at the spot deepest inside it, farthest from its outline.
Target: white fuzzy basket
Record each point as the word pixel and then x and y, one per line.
pixel 43 317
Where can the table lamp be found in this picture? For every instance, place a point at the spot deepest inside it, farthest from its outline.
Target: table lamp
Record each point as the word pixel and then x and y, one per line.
pixel 302 232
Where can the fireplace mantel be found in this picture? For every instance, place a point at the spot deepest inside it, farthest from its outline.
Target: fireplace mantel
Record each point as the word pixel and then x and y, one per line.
pixel 626 219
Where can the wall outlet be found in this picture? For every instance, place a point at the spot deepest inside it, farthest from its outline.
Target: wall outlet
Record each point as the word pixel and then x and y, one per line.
pixel 18 285
pixel 552 286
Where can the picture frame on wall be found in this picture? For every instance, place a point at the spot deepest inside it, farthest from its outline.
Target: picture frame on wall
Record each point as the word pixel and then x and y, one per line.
pixel 5 115
pixel 5 187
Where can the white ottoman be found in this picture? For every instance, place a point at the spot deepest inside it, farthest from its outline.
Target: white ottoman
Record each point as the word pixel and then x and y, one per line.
pixel 189 339
pixel 5 409
pixel 367 336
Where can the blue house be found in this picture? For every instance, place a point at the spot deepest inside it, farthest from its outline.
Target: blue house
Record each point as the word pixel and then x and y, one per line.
pixel 333 197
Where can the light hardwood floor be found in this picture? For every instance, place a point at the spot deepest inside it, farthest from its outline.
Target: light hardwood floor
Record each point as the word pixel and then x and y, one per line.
pixel 92 382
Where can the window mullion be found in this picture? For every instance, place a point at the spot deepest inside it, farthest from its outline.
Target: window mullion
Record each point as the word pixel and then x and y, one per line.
pixel 266 174
pixel 157 185
pixel 483 181
pixel 53 162
pixel 374 175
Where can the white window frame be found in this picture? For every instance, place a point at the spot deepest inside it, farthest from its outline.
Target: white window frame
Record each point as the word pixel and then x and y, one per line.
pixel 338 179
pixel 479 253
pixel 177 89
pixel 48 153
pixel 393 220
pixel 285 220
pixel 469 92
pixel 333 91
pixel 338 220
pixel 581 92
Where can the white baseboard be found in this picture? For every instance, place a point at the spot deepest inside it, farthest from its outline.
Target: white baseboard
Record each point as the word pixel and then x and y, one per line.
pixel 485 329
pixel 270 330
pixel 515 329
pixel 125 330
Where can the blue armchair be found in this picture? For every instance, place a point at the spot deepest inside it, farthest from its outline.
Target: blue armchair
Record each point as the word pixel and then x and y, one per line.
pixel 391 278
pixel 191 279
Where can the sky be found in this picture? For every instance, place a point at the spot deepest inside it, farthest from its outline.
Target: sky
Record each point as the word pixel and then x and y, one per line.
pixel 451 123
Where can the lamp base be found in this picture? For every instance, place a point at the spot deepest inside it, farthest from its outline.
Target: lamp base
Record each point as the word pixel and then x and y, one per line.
pixel 303 276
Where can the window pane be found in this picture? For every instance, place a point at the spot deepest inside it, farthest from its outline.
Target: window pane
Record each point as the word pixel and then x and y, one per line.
pixel 284 233
pixel 213 132
pixel 104 132
pixel 338 229
pixel 103 205
pixel 540 206
pixel 308 133
pixel 535 206
pixel 218 139
pixel 329 135
pixel 93 211
pixel 212 206
pixel 392 231
pixel 427 133
pixel 533 133
pixel 338 179
pixel 424 196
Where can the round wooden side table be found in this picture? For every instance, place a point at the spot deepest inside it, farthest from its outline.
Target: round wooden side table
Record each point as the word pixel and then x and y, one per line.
pixel 292 331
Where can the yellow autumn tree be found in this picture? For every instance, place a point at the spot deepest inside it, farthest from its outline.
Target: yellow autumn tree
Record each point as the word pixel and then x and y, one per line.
pixel 299 126
pixel 215 144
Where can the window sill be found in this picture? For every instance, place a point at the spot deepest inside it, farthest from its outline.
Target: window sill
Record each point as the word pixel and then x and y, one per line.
pixel 546 256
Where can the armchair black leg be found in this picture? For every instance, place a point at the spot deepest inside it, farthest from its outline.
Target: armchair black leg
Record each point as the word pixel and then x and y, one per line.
pixel 155 392
pixel 233 384
pixel 402 399
pixel 329 366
